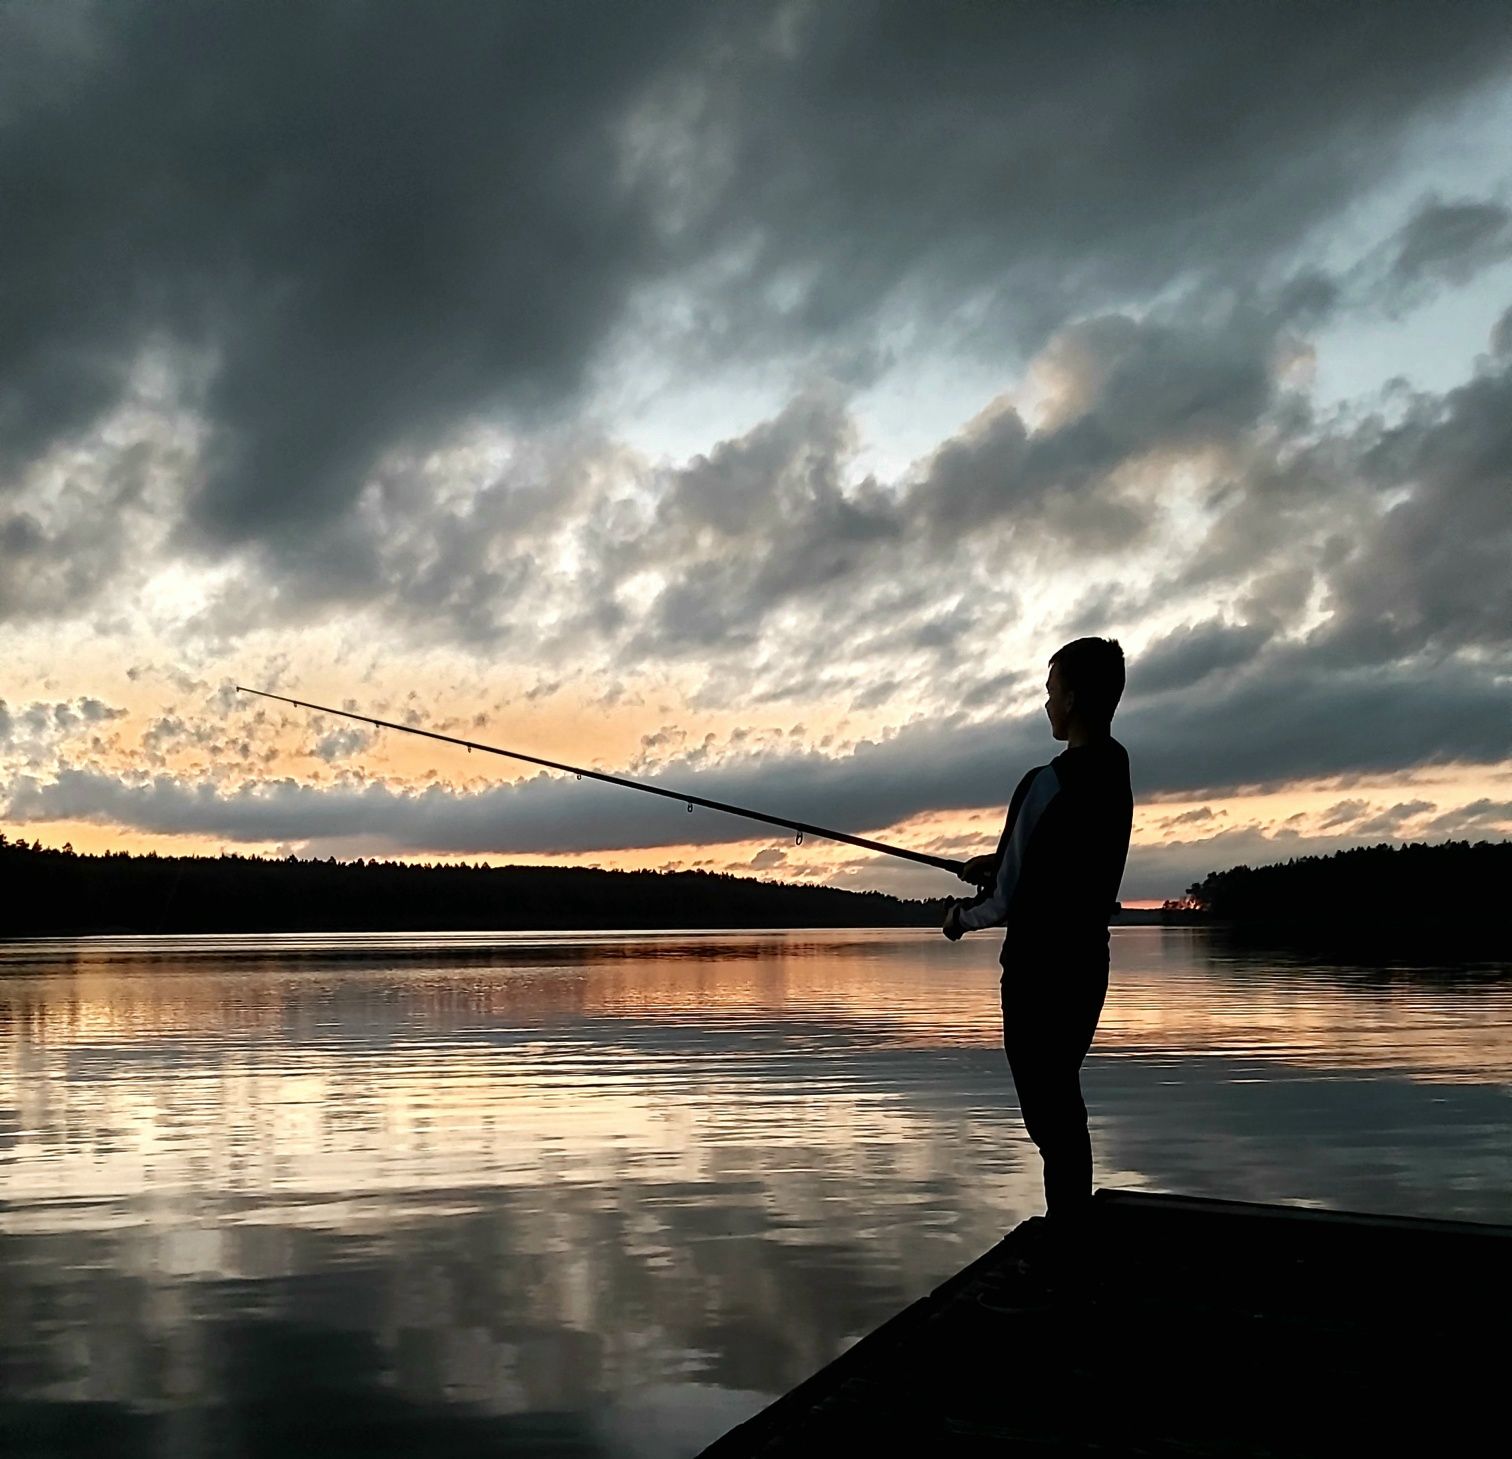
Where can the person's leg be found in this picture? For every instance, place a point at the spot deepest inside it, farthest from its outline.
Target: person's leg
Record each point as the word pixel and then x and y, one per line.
pixel 1066 1146
pixel 1046 1037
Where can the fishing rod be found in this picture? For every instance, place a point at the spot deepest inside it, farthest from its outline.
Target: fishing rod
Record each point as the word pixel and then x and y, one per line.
pixel 803 828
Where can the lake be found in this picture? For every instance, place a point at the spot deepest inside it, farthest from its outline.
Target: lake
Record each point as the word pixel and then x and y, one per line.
pixel 607 1194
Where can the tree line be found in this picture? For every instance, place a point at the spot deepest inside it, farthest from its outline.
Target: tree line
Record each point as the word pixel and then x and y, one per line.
pixel 1381 891
pixel 1377 891
pixel 58 891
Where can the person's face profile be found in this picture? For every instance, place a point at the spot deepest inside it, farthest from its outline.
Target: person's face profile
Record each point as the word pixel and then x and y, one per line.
pixel 1059 702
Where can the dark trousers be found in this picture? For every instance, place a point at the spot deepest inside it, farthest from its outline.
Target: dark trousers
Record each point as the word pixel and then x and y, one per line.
pixel 1050 1014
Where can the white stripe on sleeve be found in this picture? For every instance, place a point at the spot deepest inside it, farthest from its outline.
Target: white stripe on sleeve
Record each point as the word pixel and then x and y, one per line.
pixel 994 910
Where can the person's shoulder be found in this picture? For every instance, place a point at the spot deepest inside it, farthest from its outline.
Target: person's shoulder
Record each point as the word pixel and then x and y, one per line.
pixel 1091 767
pixel 1026 782
pixel 1032 774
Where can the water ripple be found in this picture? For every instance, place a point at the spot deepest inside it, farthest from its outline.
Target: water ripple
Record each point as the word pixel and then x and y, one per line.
pixel 563 1183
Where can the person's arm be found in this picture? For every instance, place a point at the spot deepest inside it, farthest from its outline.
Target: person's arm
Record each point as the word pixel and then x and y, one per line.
pixel 981 871
pixel 992 910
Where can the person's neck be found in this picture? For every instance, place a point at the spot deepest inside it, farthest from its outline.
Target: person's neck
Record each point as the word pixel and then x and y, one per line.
pixel 1078 735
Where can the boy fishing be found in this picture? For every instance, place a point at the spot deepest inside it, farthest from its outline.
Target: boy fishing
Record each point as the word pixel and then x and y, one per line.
pixel 1052 882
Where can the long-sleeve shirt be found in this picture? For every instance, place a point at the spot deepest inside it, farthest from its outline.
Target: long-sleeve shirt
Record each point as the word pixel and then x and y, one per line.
pixel 1061 855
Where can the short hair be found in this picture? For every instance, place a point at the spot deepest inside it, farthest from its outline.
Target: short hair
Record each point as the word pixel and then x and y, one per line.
pixel 1093 669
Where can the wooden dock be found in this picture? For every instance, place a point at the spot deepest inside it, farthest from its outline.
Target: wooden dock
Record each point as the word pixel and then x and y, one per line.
pixel 1195 1327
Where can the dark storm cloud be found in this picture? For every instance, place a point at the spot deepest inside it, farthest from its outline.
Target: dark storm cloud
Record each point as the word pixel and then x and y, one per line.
pixel 1294 715
pixel 1501 335
pixel 363 224
pixel 1059 154
pixel 1444 244
pixel 1189 654
pixel 1430 572
pixel 375 217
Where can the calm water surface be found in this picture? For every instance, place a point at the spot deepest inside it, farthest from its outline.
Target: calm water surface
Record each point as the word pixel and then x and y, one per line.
pixel 606 1195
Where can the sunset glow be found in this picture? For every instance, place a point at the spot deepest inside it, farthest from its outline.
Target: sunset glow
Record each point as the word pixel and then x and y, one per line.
pixel 783 481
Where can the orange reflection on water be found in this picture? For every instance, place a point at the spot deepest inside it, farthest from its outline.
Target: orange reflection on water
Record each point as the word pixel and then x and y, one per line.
pixel 303 1074
pixel 1181 992
pixel 303 1078
pixel 542 1173
pixel 1175 990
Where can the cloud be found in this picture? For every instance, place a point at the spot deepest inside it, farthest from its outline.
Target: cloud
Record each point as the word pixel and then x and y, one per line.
pixel 1157 871
pixel 1501 334
pixel 1189 654
pixel 1444 244
pixel 1428 573
pixel 875 694
pixel 1124 390
pixel 1022 157
pixel 760 519
pixel 1343 813
pixel 343 743
pixel 346 330
pixel 1476 819
pixel 84 521
pixel 776 529
pixel 39 727
pixel 1389 822
pixel 369 222
pixel 1295 715
pixel 455 548
pixel 363 227
pixel 385 311
pixel 1282 726
pixel 1380 533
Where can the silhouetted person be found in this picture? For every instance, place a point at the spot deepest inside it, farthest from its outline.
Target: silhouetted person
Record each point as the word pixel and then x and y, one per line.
pixel 1053 881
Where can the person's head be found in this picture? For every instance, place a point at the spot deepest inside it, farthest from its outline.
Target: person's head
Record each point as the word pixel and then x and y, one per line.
pixel 1084 686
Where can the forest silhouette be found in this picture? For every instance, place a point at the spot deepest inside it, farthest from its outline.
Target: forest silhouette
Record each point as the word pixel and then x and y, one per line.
pixel 1447 891
pixel 1445 894
pixel 58 891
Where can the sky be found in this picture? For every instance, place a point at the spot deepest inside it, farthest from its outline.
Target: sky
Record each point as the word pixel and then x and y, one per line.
pixel 750 397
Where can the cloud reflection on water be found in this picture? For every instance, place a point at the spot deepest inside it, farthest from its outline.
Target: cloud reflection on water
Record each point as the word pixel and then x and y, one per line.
pixel 578 1192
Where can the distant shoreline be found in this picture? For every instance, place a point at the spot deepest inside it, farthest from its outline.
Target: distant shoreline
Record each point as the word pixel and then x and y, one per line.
pixel 1419 899
pixel 1364 902
pixel 59 893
